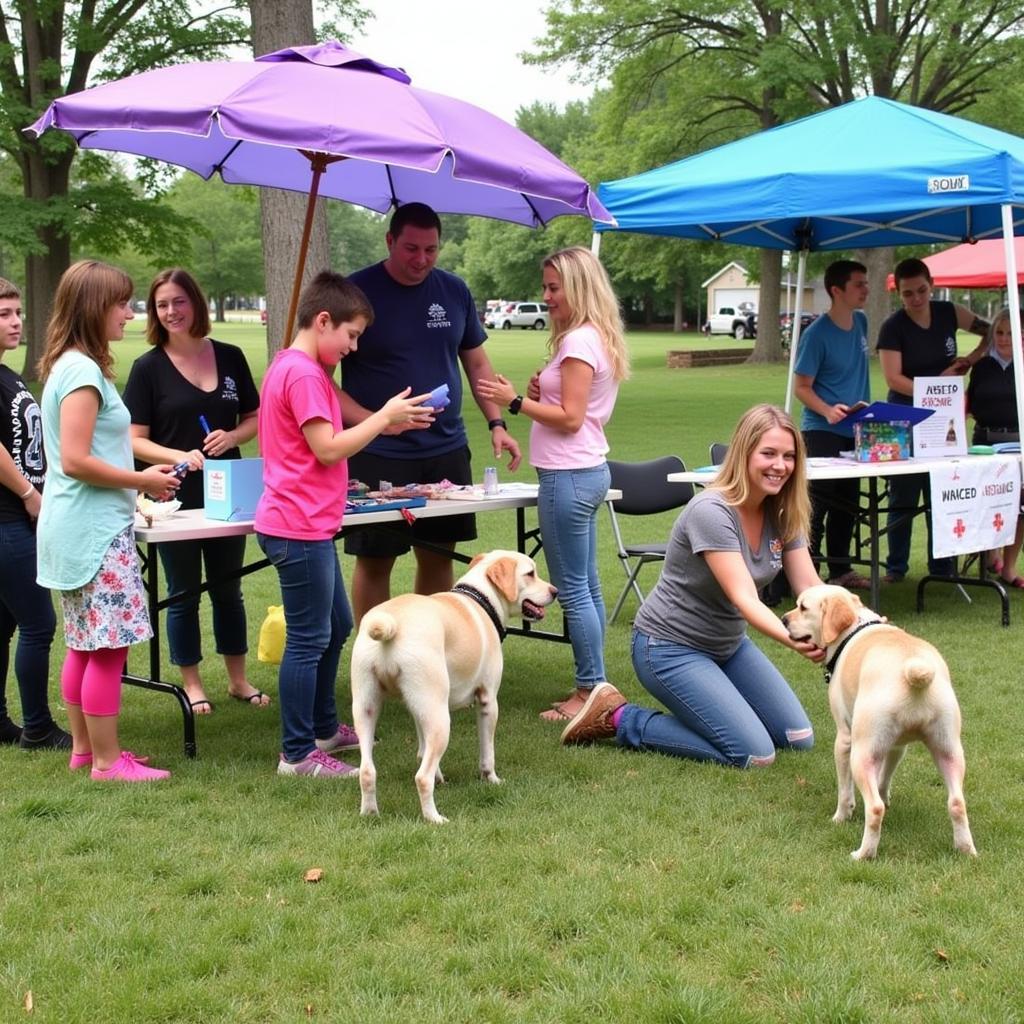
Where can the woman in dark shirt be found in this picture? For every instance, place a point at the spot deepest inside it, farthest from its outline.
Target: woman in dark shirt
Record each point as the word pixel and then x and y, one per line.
pixel 194 398
pixel 992 401
pixel 24 605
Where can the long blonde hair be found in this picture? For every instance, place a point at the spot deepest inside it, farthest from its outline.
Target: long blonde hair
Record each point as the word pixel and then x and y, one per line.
pixel 86 293
pixel 591 300
pixel 790 509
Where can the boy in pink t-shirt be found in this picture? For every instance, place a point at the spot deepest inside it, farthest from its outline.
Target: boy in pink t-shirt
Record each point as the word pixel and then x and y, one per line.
pixel 305 474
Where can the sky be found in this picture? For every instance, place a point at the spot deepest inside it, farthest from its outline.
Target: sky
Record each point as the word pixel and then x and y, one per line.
pixel 468 49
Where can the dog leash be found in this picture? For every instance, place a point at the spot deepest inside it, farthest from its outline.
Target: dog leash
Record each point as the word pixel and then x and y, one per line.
pixel 831 664
pixel 472 592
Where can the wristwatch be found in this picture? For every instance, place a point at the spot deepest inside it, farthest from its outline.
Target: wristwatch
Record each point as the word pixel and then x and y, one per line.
pixel 515 405
pixel 493 424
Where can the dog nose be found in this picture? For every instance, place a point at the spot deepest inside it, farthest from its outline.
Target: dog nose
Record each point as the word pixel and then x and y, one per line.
pixel 785 619
pixel 554 592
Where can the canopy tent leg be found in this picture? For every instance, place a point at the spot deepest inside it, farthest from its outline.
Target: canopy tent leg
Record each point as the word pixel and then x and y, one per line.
pixel 595 243
pixel 801 270
pixel 1010 255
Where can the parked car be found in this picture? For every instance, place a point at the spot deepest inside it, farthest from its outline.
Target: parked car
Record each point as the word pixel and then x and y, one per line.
pixel 524 314
pixel 806 319
pixel 731 320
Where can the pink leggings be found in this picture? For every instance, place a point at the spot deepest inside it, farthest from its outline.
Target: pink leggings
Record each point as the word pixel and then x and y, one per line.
pixel 93 680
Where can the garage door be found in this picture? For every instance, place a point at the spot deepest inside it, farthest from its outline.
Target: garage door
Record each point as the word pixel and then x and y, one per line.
pixel 734 297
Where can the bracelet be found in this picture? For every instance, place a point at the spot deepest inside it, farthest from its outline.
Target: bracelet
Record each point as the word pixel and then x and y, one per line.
pixel 515 405
pixel 27 493
pixel 493 424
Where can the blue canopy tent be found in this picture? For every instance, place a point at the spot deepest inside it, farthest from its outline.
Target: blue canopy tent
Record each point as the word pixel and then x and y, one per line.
pixel 870 173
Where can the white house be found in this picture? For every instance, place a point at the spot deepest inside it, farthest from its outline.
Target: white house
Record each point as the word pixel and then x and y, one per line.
pixel 731 286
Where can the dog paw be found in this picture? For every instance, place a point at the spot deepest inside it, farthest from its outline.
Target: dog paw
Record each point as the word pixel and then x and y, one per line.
pixel 842 815
pixel 862 854
pixel 488 775
pixel 436 819
pixel 368 809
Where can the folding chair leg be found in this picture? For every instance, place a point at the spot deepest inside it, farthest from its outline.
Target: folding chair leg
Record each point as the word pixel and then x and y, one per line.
pixel 630 583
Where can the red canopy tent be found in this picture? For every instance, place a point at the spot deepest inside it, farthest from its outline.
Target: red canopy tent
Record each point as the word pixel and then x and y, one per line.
pixel 981 265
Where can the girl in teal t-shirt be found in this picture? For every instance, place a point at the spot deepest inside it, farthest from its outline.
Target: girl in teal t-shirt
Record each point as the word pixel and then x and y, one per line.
pixel 86 548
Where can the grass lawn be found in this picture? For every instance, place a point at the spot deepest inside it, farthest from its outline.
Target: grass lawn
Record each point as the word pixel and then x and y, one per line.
pixel 593 885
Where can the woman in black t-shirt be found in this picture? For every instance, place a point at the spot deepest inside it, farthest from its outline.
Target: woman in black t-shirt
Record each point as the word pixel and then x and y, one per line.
pixel 190 399
pixel 24 605
pixel 919 340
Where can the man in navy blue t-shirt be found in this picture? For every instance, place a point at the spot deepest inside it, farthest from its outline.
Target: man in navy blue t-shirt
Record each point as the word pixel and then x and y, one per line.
pixel 425 325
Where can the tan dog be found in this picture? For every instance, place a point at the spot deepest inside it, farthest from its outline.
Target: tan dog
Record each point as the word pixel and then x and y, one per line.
pixel 438 653
pixel 887 689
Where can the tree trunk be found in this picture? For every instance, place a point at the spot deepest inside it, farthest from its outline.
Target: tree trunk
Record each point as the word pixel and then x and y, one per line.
pixel 768 347
pixel 43 270
pixel 218 305
pixel 677 314
pixel 879 304
pixel 276 25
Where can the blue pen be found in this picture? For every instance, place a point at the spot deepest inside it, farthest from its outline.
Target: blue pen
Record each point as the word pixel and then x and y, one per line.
pixel 204 425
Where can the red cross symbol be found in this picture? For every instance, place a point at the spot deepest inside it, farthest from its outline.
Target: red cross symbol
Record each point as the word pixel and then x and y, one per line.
pixel 959 529
pixel 997 522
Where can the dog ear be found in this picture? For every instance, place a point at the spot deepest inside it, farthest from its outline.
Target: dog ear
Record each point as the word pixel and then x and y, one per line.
pixel 502 573
pixel 837 615
pixel 475 559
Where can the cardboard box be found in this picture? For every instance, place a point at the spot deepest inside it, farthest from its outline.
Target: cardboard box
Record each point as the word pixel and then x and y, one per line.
pixel 882 440
pixel 231 488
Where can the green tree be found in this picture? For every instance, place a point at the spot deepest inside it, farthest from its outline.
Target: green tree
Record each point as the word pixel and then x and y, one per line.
pixel 708 72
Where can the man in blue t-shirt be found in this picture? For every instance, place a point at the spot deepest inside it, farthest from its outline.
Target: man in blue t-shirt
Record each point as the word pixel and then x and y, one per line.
pixel 830 375
pixel 425 325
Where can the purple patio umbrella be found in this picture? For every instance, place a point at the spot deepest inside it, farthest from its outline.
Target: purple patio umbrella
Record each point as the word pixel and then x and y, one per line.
pixel 326 120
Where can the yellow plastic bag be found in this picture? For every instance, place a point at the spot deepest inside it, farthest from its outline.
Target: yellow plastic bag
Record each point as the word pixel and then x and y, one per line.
pixel 271 646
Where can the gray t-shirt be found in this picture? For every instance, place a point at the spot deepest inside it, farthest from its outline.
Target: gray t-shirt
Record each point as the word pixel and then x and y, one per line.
pixel 688 606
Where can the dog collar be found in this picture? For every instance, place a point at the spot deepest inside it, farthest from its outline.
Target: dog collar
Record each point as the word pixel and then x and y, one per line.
pixel 831 663
pixel 472 592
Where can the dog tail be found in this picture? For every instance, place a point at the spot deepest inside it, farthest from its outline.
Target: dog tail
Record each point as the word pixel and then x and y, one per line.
pixel 918 673
pixel 381 626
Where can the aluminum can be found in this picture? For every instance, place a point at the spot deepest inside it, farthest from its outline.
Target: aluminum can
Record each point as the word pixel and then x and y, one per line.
pixel 490 480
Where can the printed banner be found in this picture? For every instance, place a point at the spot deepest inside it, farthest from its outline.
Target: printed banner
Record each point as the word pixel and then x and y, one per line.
pixel 944 433
pixel 975 504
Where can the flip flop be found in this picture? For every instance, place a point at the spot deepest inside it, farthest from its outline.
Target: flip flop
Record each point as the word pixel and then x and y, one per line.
pixel 254 699
pixel 194 704
pixel 1017 582
pixel 996 566
pixel 556 713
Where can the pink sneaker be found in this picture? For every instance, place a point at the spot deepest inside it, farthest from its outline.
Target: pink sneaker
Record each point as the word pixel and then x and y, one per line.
pixel 82 760
pixel 344 739
pixel 319 764
pixel 127 768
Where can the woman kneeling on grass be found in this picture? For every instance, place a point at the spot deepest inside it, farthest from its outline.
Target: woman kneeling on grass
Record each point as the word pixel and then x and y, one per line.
pixel 726 701
pixel 86 541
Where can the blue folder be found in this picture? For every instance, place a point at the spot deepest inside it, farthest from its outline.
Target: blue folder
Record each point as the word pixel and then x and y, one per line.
pixel 890 412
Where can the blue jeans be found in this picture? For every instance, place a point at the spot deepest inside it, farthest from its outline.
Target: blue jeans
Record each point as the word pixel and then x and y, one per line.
pixel 735 712
pixel 568 501
pixel 905 494
pixel 317 622
pixel 25 606
pixel 183 567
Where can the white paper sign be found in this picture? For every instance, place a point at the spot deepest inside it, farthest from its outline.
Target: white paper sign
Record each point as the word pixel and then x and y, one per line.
pixel 945 431
pixel 975 504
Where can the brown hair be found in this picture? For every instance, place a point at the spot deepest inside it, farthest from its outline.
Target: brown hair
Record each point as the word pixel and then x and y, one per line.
pixel 8 290
pixel 790 509
pixel 911 267
pixel 86 293
pixel 335 295
pixel 156 333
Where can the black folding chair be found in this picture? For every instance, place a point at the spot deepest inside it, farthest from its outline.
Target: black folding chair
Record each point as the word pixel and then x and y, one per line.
pixel 645 491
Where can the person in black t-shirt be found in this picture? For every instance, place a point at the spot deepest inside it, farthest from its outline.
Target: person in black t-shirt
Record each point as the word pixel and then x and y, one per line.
pixel 992 401
pixel 919 340
pixel 24 605
pixel 186 384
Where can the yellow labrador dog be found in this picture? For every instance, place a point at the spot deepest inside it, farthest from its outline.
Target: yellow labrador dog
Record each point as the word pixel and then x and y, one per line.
pixel 438 653
pixel 886 689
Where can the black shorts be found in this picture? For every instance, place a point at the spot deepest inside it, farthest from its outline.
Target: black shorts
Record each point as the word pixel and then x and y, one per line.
pixel 392 539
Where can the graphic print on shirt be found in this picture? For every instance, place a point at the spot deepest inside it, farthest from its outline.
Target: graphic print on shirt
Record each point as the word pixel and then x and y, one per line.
pixel 437 316
pixel 229 393
pixel 27 435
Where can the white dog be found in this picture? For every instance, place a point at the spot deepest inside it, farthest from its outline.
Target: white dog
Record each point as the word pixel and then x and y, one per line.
pixel 887 689
pixel 438 653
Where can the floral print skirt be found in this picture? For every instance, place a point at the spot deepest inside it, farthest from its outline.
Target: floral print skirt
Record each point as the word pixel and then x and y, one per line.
pixel 110 610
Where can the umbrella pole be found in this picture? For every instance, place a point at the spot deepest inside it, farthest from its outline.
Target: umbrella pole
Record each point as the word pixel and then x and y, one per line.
pixel 318 163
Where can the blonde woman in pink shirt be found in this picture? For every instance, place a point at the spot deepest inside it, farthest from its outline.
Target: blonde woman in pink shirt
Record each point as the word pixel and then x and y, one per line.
pixel 570 401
